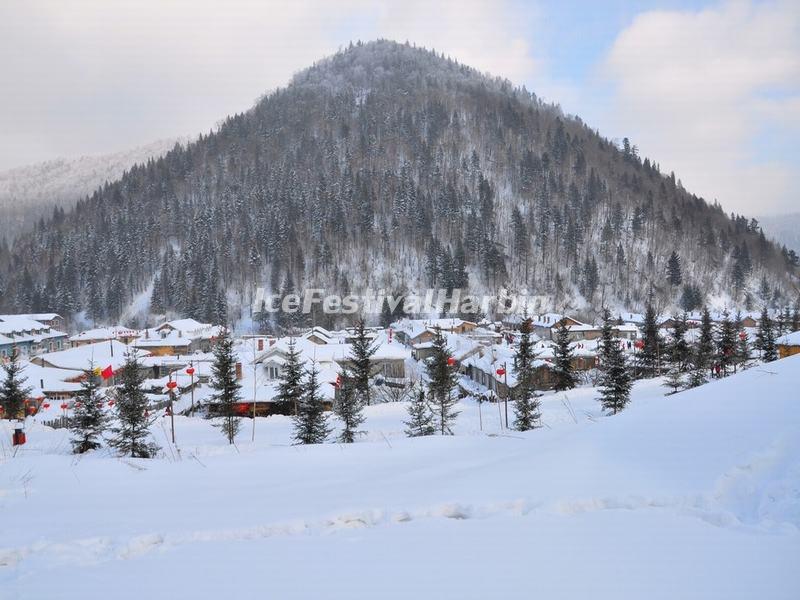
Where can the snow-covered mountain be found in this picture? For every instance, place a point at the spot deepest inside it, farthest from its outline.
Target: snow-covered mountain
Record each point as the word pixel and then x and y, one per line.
pixel 392 167
pixel 784 229
pixel 31 192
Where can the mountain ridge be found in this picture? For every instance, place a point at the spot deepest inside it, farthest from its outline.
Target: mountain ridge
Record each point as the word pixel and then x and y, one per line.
pixel 390 166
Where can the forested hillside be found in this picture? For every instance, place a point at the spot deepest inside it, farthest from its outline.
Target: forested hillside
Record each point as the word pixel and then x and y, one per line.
pixel 393 167
pixel 33 192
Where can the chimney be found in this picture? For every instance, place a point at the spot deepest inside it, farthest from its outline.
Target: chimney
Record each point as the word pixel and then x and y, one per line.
pixel 260 344
pixel 238 370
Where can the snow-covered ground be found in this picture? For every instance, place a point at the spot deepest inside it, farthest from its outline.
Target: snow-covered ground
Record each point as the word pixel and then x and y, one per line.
pixel 695 495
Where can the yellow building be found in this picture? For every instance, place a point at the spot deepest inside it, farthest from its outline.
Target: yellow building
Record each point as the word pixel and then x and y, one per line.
pixel 789 344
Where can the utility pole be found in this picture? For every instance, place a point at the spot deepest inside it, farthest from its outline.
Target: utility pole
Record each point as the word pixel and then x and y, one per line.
pixel 171 385
pixel 505 380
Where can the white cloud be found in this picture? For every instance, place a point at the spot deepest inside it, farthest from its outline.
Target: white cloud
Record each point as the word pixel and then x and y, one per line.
pixel 695 90
pixel 90 76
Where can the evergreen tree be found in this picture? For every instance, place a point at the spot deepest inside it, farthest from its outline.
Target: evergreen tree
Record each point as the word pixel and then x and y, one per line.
pixel 526 403
pixel 225 385
pixel 311 422
pixel 705 343
pixel 131 434
pixel 442 380
pixel 13 393
pixel 615 381
pixel 349 409
pixel 674 379
pixel 649 357
pixel 726 343
pixel 386 314
pixel 674 275
pixel 420 416
pixel 359 366
pixel 89 421
pixel 290 382
pixel 562 360
pixel 678 348
pixel 766 337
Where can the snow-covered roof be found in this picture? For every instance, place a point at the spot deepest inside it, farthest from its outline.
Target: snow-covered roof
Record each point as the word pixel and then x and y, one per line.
pixel 327 353
pixel 10 324
pixel 45 379
pixel 790 339
pixel 489 360
pixel 101 354
pixel 104 333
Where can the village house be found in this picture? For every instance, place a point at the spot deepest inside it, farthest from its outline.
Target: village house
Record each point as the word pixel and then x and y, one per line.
pixel 104 355
pixel 29 337
pixel 388 364
pixel 51 320
pixel 789 344
pixel 104 334
pixel 51 384
pixel 179 337
pixel 416 331
pixel 460 346
pixel 492 369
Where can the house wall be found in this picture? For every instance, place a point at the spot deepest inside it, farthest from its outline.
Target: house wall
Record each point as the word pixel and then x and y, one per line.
pixel 786 351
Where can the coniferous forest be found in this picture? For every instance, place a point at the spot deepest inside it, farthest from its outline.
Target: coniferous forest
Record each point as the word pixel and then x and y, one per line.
pixel 393 167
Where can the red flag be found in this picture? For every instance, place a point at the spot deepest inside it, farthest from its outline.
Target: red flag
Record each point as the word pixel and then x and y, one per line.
pixel 107 373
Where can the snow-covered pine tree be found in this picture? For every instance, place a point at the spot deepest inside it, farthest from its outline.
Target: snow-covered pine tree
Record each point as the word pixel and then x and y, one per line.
pixel 442 379
pixel 705 343
pixel 678 347
pixel 311 422
pixel 649 356
pixel 526 404
pixel 615 381
pixel 131 434
pixel 349 409
pixel 766 337
pixel 13 392
pixel 225 385
pixel 420 416
pixel 562 360
pixel 674 379
pixel 89 421
pixel 726 343
pixel 674 276
pixel 359 365
pixel 290 382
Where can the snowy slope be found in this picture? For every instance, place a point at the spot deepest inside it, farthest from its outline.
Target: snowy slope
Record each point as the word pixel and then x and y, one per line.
pixel 31 192
pixel 695 495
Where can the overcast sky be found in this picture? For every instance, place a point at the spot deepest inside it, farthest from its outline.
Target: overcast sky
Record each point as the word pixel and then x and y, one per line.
pixel 708 89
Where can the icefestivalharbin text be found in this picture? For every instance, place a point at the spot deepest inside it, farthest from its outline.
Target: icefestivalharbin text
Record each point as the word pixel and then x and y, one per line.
pixel 372 301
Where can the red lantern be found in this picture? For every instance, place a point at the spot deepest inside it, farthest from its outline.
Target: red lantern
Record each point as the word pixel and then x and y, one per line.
pixel 639 344
pixel 46 405
pixel 172 384
pixel 77 405
pixel 111 403
pixel 190 371
pixel 64 406
pixel 31 410
pixel 501 372
pixel 742 335
pixel 451 361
